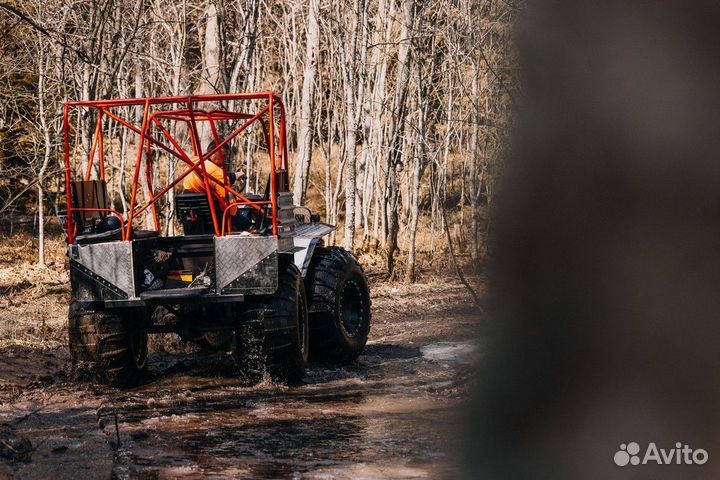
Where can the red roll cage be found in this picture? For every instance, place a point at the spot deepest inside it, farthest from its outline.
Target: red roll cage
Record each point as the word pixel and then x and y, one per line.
pixel 187 111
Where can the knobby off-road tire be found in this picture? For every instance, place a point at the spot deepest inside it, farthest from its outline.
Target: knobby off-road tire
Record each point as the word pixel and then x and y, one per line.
pixel 272 333
pixel 110 342
pixel 339 305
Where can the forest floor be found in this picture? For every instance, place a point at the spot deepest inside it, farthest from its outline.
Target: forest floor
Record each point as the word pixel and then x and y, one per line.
pixel 393 413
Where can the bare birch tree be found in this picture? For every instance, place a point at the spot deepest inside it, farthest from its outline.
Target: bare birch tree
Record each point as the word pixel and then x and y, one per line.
pixel 305 126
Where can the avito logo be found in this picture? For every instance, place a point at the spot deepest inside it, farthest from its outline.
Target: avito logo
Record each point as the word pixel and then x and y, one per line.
pixel 629 454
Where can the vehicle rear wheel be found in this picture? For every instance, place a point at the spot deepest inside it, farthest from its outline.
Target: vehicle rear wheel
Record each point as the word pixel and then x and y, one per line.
pixel 272 333
pixel 110 341
pixel 339 305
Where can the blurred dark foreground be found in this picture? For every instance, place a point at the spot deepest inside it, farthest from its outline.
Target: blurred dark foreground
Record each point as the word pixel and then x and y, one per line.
pixel 606 315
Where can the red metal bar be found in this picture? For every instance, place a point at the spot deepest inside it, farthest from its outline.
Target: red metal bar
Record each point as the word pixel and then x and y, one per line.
pixel 180 149
pixel 224 169
pixel 234 204
pixel 198 152
pixel 193 167
pixel 129 102
pixel 181 115
pixel 102 149
pixel 137 167
pixel 191 115
pixel 230 137
pixel 221 115
pixel 196 148
pixel 273 186
pixel 180 153
pixel 137 130
pixel 240 196
pixel 220 151
pixel 91 160
pixel 68 194
pixel 148 176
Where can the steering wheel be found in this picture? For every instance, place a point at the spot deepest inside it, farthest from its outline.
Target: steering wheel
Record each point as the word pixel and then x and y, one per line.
pixel 243 186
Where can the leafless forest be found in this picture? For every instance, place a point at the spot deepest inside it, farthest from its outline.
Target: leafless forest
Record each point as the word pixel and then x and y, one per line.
pixel 399 115
pixel 398 110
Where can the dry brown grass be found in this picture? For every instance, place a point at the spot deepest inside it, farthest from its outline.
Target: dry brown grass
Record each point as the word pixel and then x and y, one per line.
pixel 33 298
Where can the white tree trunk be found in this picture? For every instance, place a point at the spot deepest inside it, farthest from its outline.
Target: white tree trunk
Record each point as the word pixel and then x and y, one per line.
pixel 396 132
pixel 414 216
pixel 351 88
pixel 210 79
pixel 472 184
pixel 41 91
pixel 305 127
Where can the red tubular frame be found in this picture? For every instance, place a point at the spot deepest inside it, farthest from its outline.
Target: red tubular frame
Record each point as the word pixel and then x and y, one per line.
pixel 191 116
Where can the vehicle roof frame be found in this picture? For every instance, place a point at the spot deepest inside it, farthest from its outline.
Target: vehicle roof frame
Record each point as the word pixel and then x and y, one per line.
pixel 191 114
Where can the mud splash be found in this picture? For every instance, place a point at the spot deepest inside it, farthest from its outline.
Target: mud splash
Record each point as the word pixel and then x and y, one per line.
pixel 391 414
pixel 381 417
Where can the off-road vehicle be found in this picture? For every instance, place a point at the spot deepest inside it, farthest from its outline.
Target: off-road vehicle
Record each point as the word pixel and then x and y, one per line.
pixel 271 291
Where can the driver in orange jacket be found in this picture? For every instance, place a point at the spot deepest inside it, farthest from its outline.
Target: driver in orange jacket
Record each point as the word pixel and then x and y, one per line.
pixel 194 182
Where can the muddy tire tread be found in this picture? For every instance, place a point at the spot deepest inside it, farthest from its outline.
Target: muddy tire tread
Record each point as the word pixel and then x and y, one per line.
pixel 325 273
pixel 266 332
pixel 101 339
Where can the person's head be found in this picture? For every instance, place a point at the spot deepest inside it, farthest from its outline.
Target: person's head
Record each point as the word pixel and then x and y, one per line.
pixel 218 159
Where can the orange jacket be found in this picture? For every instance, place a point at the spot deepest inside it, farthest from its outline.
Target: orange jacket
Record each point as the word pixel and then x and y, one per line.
pixel 195 183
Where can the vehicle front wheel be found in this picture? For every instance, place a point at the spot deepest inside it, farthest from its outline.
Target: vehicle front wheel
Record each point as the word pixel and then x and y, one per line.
pixel 272 332
pixel 339 305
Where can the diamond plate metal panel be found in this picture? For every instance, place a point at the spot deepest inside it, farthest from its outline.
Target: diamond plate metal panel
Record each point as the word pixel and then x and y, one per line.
pixel 261 279
pixel 110 261
pixel 313 230
pixel 235 255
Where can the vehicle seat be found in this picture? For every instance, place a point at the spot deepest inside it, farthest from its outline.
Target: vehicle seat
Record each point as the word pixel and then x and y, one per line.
pixel 91 226
pixel 89 194
pixel 194 213
pixel 193 210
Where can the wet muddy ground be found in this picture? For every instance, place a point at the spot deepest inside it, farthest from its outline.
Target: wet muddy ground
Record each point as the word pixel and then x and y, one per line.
pixel 394 413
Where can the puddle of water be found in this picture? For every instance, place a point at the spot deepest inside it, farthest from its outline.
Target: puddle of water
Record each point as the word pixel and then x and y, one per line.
pixel 461 352
pixel 387 415
pixel 363 471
